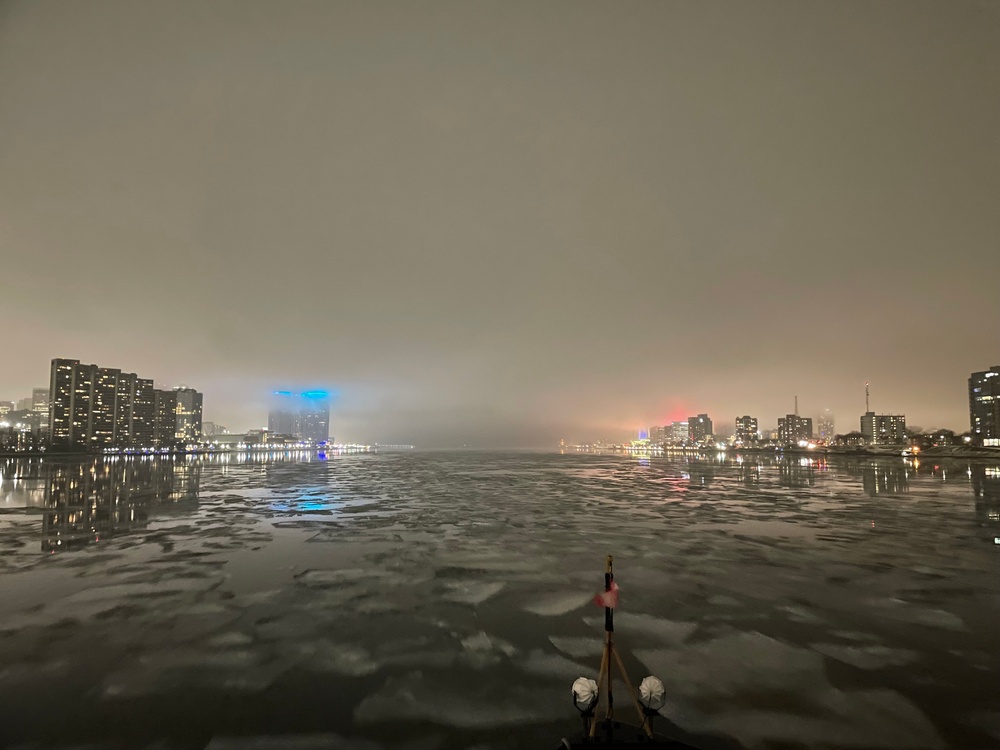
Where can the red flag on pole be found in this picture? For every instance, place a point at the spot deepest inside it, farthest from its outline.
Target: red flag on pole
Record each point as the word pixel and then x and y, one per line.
pixel 608 598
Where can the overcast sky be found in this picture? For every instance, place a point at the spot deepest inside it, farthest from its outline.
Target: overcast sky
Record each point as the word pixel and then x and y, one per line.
pixel 505 223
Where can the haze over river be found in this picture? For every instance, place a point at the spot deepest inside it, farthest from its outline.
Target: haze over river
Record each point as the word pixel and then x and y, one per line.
pixel 439 600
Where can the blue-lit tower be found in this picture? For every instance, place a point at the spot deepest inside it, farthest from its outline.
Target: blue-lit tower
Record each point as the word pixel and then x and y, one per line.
pixel 303 415
pixel 315 416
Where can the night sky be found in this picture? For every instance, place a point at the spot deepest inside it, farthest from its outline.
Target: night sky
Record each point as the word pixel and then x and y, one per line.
pixel 499 224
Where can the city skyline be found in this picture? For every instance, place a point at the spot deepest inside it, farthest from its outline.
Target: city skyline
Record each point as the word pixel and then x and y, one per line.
pixel 301 421
pixel 502 224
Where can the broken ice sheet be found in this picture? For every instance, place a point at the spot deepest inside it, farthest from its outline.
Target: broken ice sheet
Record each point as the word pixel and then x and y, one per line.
pixel 541 664
pixel 177 669
pixel 332 656
pixel 472 592
pixel 736 669
pixel 868 656
pixel 453 701
pixel 736 664
pixel 482 650
pixel 557 604
pixel 863 719
pixel 577 647
pixel 902 611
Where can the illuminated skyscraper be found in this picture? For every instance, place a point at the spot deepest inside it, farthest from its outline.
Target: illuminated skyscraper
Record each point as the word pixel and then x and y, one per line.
pixel 40 402
pixel 164 417
pixel 81 404
pixel 143 414
pixel 283 417
pixel 883 429
pixel 188 414
pixel 678 433
pixel 984 406
pixel 699 428
pixel 746 429
pixel 91 407
pixel 825 426
pixel 104 395
pixel 316 417
pixel 302 415
pixel 792 428
pixel 61 411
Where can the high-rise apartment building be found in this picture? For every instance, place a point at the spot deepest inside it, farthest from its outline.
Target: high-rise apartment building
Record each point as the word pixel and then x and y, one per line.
pixel 40 402
pixel 61 410
pixel 825 427
pixel 284 421
pixel 6 407
pixel 746 429
pixel 104 400
pixel 679 433
pixel 164 417
pixel 143 414
pixel 188 414
pixel 316 417
pixel 792 428
pixel 81 404
pixel 883 429
pixel 699 428
pixel 124 407
pixel 133 411
pixel 91 407
pixel 984 406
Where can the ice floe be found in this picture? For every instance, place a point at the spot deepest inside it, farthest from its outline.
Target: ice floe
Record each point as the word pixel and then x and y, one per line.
pixel 638 628
pixel 867 657
pixel 739 669
pixel 439 699
pixel 472 592
pixel 557 604
pixel 482 650
pixel 542 664
pixel 577 647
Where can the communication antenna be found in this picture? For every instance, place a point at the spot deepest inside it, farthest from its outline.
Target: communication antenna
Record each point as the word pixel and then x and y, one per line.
pixel 867 408
pixel 796 406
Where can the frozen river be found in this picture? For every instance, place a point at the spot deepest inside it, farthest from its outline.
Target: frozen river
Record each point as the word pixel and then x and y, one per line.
pixel 439 600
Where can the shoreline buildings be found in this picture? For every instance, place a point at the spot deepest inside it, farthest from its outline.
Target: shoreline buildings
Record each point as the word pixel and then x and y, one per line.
pixel 984 407
pixel 93 408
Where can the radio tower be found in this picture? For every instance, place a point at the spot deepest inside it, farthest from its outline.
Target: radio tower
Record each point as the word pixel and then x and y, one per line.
pixel 867 408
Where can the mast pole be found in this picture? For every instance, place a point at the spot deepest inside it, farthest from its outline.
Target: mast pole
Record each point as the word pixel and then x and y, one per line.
pixel 609 629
